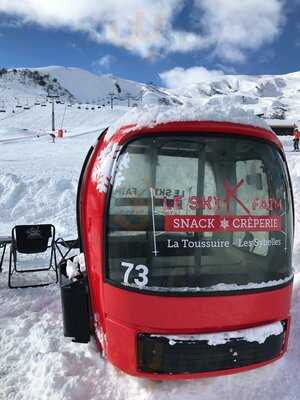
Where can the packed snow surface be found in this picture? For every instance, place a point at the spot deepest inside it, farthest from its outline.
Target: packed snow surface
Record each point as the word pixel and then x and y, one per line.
pixel 38 184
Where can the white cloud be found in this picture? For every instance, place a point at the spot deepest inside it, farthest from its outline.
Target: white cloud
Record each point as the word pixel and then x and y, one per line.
pixel 236 26
pixel 105 61
pixel 180 77
pixel 141 26
pixel 146 27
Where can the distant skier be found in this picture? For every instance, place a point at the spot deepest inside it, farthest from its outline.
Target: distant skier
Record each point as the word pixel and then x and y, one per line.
pixel 296 138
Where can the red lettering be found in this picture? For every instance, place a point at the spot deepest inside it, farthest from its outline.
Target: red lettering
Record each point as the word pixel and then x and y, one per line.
pixel 266 204
pixel 193 202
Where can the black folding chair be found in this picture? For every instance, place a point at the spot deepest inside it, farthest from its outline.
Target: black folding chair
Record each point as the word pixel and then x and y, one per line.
pixel 64 247
pixel 32 239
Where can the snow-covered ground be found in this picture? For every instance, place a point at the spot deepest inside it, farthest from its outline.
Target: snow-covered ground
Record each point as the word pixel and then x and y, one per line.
pixel 38 183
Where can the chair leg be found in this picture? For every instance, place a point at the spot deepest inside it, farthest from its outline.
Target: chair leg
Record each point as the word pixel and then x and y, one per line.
pixel 11 267
pixel 2 256
pixel 53 262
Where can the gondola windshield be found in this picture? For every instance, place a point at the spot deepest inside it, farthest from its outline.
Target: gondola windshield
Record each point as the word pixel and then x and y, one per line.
pixel 190 214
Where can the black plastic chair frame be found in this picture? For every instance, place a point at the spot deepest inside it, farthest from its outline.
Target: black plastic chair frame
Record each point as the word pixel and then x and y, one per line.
pixel 4 241
pixel 69 245
pixel 22 249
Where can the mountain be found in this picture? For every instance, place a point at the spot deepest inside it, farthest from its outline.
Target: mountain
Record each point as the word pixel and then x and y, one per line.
pixel 88 87
pixel 270 96
pixel 22 87
pixel 98 89
pixel 25 86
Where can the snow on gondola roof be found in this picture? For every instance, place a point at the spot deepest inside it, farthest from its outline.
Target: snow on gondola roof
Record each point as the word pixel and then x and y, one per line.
pixel 149 116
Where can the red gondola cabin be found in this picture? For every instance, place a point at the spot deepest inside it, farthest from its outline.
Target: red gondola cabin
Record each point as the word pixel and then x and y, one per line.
pixel 187 231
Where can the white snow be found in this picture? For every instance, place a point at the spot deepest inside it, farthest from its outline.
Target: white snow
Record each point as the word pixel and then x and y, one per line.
pixel 75 266
pixel 220 287
pixel 102 172
pixel 148 116
pixel 88 87
pixel 258 334
pixel 38 183
pixel 274 97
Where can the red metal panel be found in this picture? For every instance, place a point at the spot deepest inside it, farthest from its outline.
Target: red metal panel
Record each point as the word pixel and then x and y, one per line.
pixel 196 314
pixel 225 128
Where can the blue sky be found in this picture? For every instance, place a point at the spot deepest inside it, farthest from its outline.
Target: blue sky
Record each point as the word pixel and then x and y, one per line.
pixel 162 41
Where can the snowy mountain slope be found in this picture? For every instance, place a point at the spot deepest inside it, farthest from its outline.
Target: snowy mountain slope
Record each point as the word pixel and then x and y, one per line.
pixel 25 87
pixel 21 88
pixel 38 183
pixel 273 97
pixel 38 119
pixel 88 87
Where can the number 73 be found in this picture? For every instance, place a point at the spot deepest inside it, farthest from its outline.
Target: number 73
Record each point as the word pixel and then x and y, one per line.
pixel 142 279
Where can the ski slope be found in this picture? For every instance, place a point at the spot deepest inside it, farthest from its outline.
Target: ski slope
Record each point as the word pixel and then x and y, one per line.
pixel 37 120
pixel 86 86
pixel 38 184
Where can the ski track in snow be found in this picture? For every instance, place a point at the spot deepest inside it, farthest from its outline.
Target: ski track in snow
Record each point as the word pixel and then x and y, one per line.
pixel 38 183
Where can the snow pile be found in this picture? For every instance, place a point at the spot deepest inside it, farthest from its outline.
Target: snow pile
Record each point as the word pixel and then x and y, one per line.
pixel 259 335
pixel 76 266
pixel 148 116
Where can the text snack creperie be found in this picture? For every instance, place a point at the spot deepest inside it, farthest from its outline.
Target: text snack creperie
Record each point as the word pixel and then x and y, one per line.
pixel 218 223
